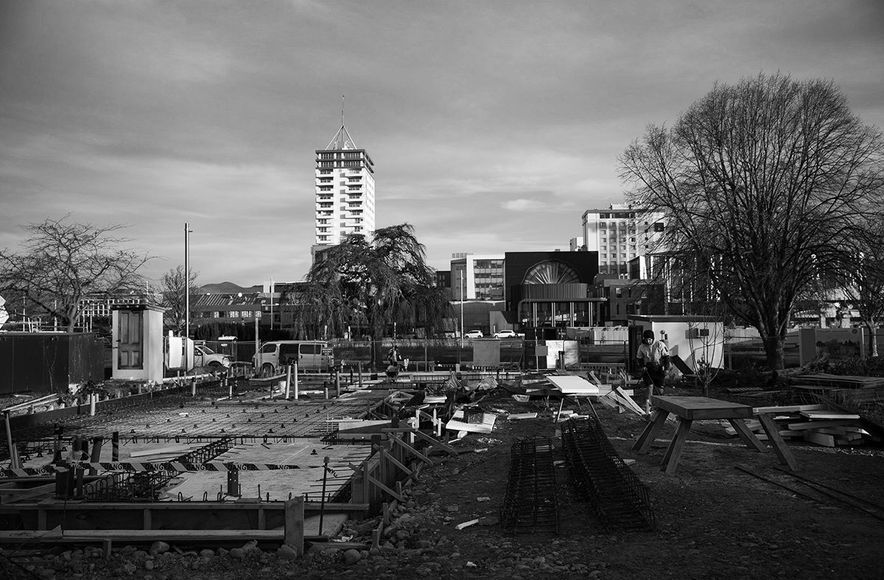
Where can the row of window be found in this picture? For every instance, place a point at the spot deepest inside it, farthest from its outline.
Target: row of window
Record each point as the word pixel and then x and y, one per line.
pixel 231 314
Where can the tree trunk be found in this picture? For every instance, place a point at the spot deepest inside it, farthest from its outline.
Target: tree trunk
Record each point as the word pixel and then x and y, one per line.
pixel 873 339
pixel 773 348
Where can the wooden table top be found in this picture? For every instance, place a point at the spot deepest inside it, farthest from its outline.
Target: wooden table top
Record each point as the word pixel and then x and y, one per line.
pixel 702 408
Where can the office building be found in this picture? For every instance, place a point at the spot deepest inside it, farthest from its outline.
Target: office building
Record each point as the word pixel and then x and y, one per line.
pixel 619 234
pixel 477 276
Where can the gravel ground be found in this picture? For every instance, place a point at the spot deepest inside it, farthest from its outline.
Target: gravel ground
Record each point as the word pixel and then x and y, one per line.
pixel 713 521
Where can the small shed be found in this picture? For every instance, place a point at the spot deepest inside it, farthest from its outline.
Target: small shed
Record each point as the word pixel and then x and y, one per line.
pixel 691 338
pixel 49 362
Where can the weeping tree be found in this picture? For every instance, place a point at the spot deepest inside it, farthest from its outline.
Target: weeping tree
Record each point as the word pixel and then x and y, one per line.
pixel 371 284
pixel 61 263
pixel 760 183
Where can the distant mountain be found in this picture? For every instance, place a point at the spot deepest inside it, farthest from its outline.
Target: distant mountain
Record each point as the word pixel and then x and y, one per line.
pixel 228 288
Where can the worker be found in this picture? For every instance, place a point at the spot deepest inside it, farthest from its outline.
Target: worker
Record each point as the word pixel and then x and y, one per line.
pixel 653 357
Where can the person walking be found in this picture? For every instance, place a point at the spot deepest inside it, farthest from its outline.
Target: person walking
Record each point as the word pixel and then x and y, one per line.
pixel 653 356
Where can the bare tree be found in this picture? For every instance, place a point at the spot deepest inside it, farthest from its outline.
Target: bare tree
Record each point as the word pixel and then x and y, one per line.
pixel 173 285
pixel 861 276
pixel 61 263
pixel 760 183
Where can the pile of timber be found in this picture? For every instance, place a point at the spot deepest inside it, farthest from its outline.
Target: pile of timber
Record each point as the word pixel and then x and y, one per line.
pixel 840 381
pixel 813 424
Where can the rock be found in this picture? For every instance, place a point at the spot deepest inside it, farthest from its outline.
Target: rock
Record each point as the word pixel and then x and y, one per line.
pixel 251 546
pixel 287 553
pixel 452 508
pixel 351 556
pixel 237 553
pixel 159 547
pixel 207 553
pixel 223 552
pixel 148 565
pixel 402 535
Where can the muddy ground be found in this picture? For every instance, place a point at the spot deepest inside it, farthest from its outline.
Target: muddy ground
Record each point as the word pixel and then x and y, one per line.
pixel 712 521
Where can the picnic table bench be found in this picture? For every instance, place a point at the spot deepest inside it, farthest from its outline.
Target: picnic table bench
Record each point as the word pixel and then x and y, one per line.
pixel 688 409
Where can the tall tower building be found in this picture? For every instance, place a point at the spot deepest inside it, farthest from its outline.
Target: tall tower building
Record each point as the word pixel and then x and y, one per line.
pixel 619 234
pixel 344 191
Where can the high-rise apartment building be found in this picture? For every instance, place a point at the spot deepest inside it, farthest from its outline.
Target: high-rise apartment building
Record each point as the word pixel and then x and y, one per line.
pixel 344 191
pixel 619 234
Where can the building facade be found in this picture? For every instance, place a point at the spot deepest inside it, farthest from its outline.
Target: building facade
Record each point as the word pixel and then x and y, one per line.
pixel 551 289
pixel 619 234
pixel 477 276
pixel 344 191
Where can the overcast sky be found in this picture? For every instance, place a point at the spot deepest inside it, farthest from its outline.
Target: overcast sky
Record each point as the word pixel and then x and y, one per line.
pixel 493 125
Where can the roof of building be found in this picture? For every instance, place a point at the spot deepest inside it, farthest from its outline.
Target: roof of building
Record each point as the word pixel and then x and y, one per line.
pixel 341 140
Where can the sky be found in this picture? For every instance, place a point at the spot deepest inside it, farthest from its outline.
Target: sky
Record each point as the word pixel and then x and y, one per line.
pixel 493 125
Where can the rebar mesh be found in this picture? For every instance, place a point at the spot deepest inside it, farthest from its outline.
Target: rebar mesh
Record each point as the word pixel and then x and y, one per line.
pixel 530 505
pixel 617 497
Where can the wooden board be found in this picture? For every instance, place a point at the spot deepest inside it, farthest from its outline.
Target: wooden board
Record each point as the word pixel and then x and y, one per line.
pixel 573 385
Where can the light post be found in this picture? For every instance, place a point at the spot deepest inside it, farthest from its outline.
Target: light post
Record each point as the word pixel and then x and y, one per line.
pixel 463 293
pixel 186 281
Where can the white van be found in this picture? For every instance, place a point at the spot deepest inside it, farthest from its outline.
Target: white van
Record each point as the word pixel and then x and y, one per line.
pixel 311 355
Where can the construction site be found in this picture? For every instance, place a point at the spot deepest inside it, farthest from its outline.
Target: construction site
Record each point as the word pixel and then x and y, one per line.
pixel 477 474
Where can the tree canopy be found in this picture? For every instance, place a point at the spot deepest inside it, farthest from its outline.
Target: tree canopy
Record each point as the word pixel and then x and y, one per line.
pixel 371 284
pixel 760 183
pixel 61 263
pixel 862 276
pixel 173 286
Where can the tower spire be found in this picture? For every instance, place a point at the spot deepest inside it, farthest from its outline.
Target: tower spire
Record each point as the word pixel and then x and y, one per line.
pixel 342 110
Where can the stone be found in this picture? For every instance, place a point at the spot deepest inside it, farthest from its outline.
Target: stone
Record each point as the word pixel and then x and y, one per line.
pixel 207 553
pixel 452 508
pixel 351 556
pixel 251 546
pixel 148 565
pixel 159 547
pixel 287 553
pixel 237 553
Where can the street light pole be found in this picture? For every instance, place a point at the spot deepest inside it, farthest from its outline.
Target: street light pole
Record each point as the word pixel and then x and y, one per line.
pixel 186 281
pixel 463 293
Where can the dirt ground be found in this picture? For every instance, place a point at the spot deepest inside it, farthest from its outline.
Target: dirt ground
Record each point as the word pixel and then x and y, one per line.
pixel 712 520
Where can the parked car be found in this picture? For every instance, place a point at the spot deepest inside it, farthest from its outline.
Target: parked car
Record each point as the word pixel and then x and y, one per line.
pixel 473 334
pixel 505 334
pixel 204 356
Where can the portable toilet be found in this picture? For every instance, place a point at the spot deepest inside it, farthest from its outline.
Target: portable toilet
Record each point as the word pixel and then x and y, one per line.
pixel 137 334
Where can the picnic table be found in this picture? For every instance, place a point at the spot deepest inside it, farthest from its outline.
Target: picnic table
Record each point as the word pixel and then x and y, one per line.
pixel 688 409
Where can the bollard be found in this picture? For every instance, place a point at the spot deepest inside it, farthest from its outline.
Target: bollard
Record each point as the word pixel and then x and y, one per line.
pixel 115 446
pixel 295 374
pixel 337 384
pixel 193 387
pixel 233 488
pixel 359 368
pixel 92 398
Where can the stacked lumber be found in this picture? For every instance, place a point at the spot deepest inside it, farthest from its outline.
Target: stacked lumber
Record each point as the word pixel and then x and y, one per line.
pixel 841 381
pixel 816 424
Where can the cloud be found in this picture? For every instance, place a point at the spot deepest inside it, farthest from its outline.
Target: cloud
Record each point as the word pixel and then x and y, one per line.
pixel 523 205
